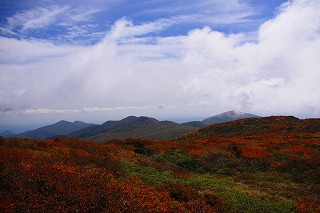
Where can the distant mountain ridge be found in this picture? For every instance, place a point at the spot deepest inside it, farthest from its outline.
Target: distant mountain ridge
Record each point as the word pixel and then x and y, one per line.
pixel 60 128
pixel 132 127
pixel 150 128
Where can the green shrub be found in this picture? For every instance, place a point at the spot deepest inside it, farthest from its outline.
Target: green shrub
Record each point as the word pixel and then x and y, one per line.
pixel 149 174
pixel 184 161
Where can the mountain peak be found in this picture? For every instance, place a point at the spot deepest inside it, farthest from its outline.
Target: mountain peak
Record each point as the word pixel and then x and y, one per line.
pixel 232 113
pixel 78 122
pixel 63 122
pixel 228 116
pixel 129 118
pixel 142 120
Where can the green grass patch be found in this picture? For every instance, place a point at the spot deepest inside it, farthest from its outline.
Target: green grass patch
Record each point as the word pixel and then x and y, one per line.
pixel 240 197
pixel 240 201
pixel 149 174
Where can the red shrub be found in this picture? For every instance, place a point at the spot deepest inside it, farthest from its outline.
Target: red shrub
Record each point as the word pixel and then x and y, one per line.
pixel 308 204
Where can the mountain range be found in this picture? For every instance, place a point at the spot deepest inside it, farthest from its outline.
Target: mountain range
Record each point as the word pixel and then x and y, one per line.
pixel 130 127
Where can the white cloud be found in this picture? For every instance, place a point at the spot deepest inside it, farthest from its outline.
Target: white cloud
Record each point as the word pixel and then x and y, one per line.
pixel 46 111
pixel 124 28
pixel 83 14
pixel 275 75
pixel 103 109
pixel 7 112
pixel 200 74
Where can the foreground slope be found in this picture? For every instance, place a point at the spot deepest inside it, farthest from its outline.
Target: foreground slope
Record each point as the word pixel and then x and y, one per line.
pixel 132 127
pixel 272 167
pixel 68 175
pixel 59 128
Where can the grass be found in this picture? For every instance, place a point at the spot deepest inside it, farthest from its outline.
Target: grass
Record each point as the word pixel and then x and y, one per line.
pixel 149 174
pixel 239 196
pixel 254 192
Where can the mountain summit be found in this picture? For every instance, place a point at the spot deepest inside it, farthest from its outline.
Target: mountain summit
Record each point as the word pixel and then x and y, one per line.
pixel 228 116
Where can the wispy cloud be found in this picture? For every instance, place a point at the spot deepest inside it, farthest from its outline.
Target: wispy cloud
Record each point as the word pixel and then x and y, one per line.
pixel 71 22
pixel 46 111
pixel 59 24
pixel 213 12
pixel 125 28
pixel 35 18
pixel 83 15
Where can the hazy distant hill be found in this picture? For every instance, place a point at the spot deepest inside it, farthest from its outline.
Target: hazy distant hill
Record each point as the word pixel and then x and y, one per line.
pixel 133 127
pixel 6 133
pixel 59 128
pixel 220 118
pixel 228 116
pixel 257 126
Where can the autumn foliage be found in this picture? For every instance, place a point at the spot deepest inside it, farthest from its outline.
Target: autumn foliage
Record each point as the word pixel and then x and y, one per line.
pixel 42 176
pixel 270 168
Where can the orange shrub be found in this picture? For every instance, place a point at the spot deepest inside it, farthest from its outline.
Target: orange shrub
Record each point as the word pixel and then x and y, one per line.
pixel 308 204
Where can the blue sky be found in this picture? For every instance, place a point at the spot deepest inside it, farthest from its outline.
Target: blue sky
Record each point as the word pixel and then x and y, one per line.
pixel 84 22
pixel 101 60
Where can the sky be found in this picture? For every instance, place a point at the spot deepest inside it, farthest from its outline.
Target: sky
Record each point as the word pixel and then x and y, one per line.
pixel 180 60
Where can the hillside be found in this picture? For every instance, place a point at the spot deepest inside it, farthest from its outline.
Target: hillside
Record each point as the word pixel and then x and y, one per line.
pixel 271 166
pixel 57 129
pixel 132 127
pixel 257 126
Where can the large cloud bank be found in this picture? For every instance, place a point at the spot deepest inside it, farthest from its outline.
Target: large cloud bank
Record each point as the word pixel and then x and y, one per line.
pixel 202 73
